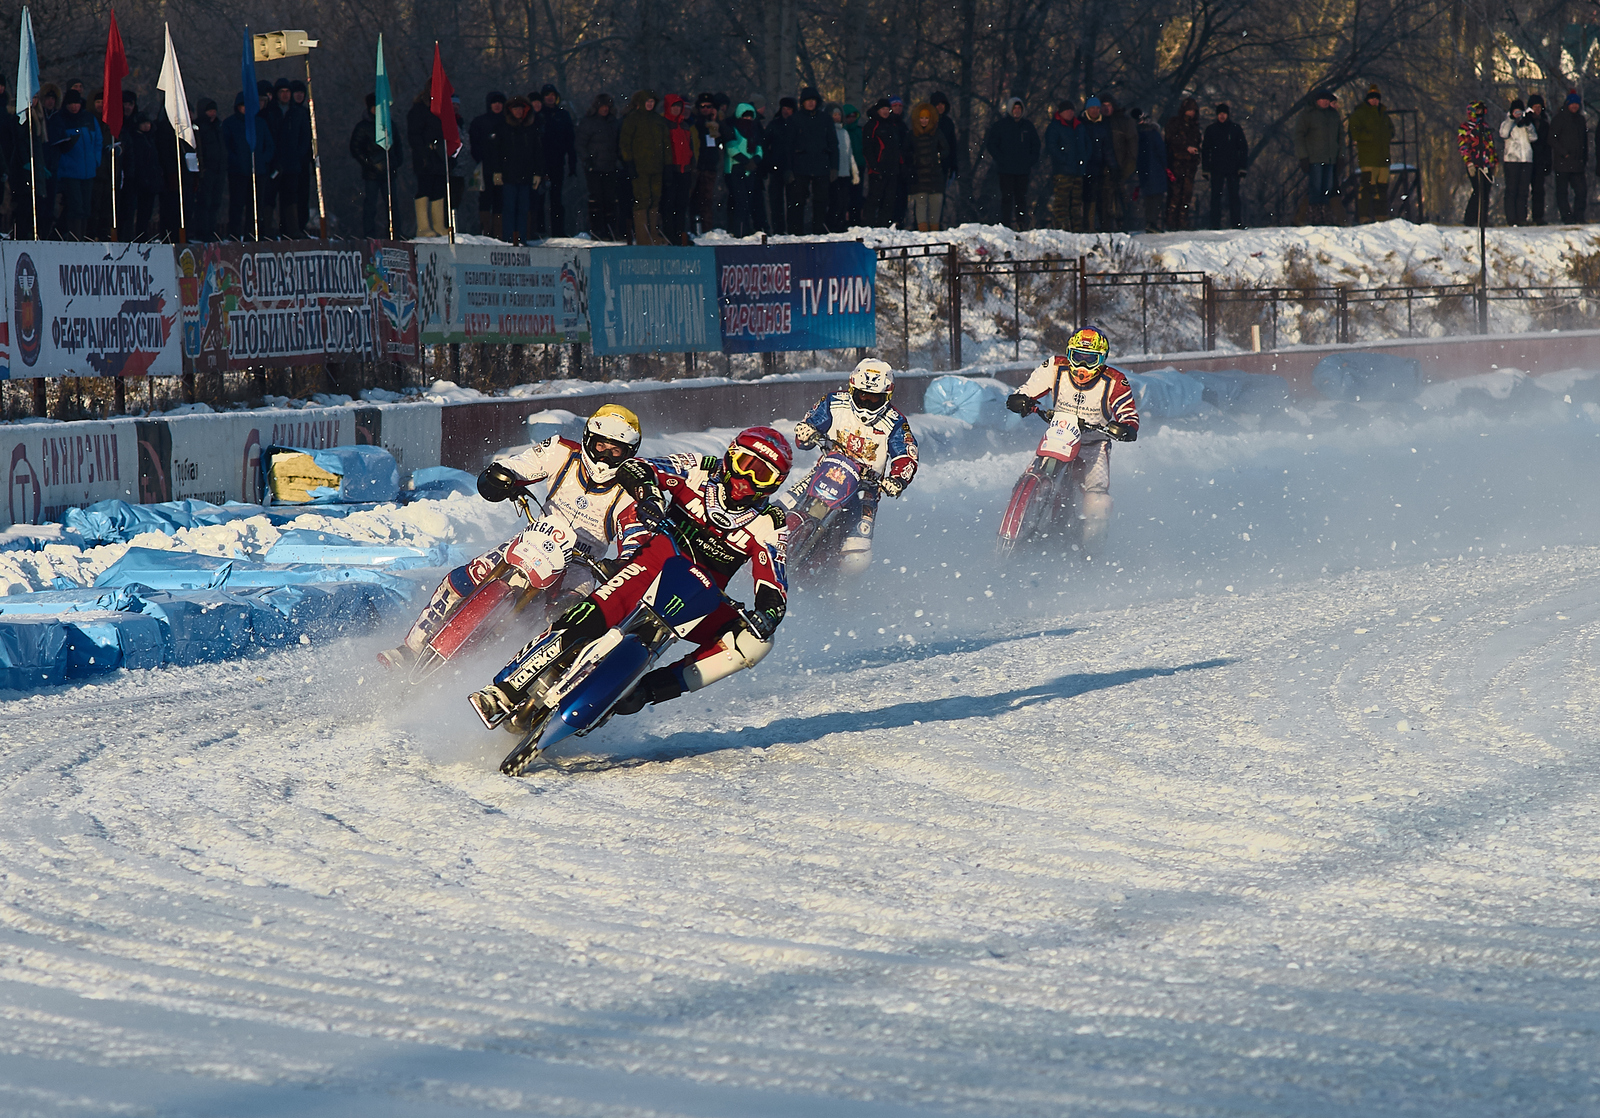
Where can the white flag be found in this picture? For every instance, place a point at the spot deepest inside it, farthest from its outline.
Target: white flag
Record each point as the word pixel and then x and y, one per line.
pixel 177 103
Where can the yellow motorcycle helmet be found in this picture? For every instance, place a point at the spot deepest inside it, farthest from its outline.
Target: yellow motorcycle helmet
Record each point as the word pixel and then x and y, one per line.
pixel 1086 356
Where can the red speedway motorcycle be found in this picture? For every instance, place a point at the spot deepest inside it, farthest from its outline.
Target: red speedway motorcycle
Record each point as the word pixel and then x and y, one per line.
pixel 1047 500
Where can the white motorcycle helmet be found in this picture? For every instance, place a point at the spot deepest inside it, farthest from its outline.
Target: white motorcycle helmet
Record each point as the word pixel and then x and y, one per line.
pixel 610 438
pixel 871 387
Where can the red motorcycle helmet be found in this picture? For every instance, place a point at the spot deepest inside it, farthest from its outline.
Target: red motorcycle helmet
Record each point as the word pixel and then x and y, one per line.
pixel 755 466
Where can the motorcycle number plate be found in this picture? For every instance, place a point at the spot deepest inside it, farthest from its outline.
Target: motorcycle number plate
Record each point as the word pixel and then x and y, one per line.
pixel 1061 440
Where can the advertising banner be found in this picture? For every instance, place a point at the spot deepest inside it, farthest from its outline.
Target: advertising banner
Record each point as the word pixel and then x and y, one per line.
pixel 797 296
pixel 91 310
pixel 296 303
pixel 51 467
pixel 502 294
pixel 654 300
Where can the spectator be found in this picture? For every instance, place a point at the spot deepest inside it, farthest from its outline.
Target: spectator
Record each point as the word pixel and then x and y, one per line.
pixel 49 103
pixel 902 193
pixel 858 152
pixel 678 181
pixel 1152 172
pixel 597 149
pixel 1224 155
pixel 1475 141
pixel 308 169
pixel 1125 145
pixel 645 148
pixel 536 125
pixel 947 125
pixel 742 151
pixel 75 135
pixel 247 171
pixel 930 152
pixel 708 163
pixel 12 161
pixel 167 154
pixel 1067 141
pixel 1183 159
pixel 141 172
pixel 481 143
pixel 1371 131
pixel 1516 134
pixel 1318 140
pixel 885 142
pixel 1539 126
pixel 212 155
pixel 560 158
pixel 845 172
pixel 777 144
pixel 1013 143
pixel 100 202
pixel 813 161
pixel 379 169
pixel 1102 172
pixel 430 165
pixel 291 137
pixel 520 153
pixel 1569 158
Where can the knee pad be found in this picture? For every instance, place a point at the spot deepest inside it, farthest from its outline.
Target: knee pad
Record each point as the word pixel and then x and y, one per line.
pixel 1097 506
pixel 735 652
pixel 855 556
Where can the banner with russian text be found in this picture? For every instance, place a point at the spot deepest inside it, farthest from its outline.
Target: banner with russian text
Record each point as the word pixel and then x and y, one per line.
pixel 797 296
pixel 91 310
pixel 653 300
pixel 281 303
pixel 502 294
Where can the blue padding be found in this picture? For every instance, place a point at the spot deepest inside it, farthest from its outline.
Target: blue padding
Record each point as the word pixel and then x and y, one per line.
pixel 306 545
pixel 975 400
pixel 1367 376
pixel 1165 394
pixel 200 626
pixel 33 652
pixel 52 602
pixel 98 643
pixel 366 473
pixel 117 521
pixel 433 483
pixel 185 570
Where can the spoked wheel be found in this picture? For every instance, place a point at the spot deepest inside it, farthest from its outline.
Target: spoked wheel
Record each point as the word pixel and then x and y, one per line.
pixel 527 753
pixel 1032 501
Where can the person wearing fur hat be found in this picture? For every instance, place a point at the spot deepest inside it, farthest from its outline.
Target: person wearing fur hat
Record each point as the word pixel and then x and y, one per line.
pixel 1013 143
pixel 1516 146
pixel 480 142
pixel 1569 159
pixel 813 162
pixel 1224 156
pixel 1475 141
pixel 1371 131
pixel 1539 127
pixel 1318 143
pixel 886 143
pixel 1183 160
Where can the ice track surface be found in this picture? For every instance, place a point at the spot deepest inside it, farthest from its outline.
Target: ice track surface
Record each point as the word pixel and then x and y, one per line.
pixel 1196 829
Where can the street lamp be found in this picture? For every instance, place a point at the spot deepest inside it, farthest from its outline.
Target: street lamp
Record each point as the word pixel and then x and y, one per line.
pixel 288 44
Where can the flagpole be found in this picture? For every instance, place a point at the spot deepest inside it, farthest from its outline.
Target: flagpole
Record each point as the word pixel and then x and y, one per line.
pixel 388 190
pixel 316 157
pixel 177 145
pixel 115 235
pixel 33 173
pixel 255 192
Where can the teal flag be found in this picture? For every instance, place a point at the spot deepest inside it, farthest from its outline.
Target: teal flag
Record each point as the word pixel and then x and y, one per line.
pixel 27 69
pixel 380 92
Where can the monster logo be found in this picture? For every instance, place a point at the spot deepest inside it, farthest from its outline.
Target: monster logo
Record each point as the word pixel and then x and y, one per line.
pixel 29 310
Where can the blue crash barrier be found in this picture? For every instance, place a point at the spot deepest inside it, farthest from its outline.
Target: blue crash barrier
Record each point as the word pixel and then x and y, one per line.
pixel 186 570
pixel 116 521
pixel 1165 394
pixel 974 400
pixel 434 483
pixel 307 545
pixel 1236 390
pixel 1373 377
pixel 363 474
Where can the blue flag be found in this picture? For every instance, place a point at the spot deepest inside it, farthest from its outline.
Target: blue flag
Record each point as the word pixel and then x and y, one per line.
pixel 27 69
pixel 247 79
pixel 380 92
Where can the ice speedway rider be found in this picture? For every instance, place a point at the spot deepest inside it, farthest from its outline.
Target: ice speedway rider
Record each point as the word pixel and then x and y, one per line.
pixel 715 512
pixel 583 487
pixel 1101 399
pixel 870 430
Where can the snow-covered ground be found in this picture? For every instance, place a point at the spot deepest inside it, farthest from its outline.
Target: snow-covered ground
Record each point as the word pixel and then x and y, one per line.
pixel 1284 806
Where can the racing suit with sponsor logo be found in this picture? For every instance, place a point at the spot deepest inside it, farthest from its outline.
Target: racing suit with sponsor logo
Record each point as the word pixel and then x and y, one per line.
pixel 1108 400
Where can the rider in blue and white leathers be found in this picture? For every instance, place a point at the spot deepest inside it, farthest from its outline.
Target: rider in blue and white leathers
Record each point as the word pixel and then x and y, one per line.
pixel 873 432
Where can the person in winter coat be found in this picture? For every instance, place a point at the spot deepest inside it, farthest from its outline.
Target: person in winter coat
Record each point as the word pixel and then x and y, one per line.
pixel 677 184
pixel 1224 155
pixel 1569 159
pixel 741 149
pixel 520 152
pixel 1098 182
pixel 378 171
pixel 813 162
pixel 1539 126
pixel 480 142
pixel 929 153
pixel 886 142
pixel 776 143
pixel 1183 160
pixel 1152 172
pixel 1475 141
pixel 247 171
pixel 291 138
pixel 75 136
pixel 428 162
pixel 646 149
pixel 560 161
pixel 1371 131
pixel 1067 141
pixel 597 151
pixel 1013 143
pixel 947 125
pixel 213 158
pixel 858 152
pixel 1318 141
pixel 708 163
pixel 140 164
pixel 846 171
pixel 1119 187
pixel 1516 135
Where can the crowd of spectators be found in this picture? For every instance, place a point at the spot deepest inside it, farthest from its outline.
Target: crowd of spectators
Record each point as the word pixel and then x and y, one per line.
pixel 661 169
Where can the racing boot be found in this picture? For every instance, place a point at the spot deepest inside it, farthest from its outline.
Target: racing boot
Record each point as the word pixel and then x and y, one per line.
pixel 544 657
pixel 1096 520
pixel 659 686
pixel 446 599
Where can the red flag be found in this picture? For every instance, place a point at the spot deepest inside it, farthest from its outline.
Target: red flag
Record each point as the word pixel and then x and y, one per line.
pixel 116 70
pixel 443 106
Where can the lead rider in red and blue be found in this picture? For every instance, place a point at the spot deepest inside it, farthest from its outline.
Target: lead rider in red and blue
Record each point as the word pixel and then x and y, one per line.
pixel 715 512
pixel 1099 396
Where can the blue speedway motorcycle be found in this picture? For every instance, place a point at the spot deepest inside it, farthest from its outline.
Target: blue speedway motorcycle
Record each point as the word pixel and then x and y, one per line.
pixel 822 519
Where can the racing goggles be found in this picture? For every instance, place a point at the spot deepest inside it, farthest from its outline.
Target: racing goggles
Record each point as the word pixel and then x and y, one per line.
pixel 1086 358
pixel 868 401
pixel 606 451
pixel 753 468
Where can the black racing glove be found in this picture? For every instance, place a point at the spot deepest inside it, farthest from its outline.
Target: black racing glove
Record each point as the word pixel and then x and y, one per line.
pixel 768 613
pixel 1020 403
pixel 638 481
pixel 498 484
pixel 892 485
pixel 1122 432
